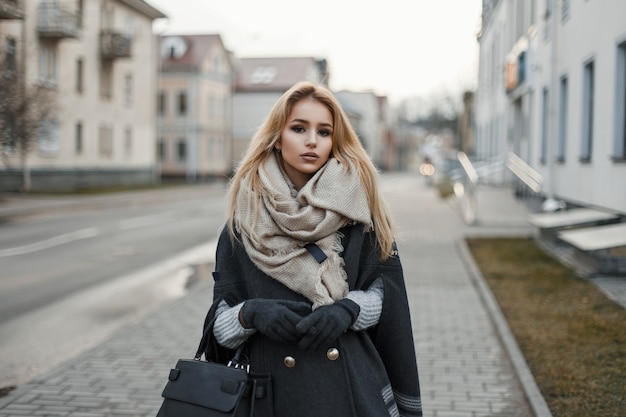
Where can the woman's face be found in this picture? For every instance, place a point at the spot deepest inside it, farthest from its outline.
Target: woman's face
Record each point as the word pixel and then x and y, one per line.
pixel 306 140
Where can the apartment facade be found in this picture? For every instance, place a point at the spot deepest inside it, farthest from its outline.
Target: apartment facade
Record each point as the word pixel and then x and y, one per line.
pixel 98 61
pixel 195 107
pixel 552 89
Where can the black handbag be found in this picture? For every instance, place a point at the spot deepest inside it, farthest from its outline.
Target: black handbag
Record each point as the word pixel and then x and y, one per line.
pixel 197 388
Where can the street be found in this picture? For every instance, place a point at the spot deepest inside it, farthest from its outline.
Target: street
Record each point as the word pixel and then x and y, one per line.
pixel 71 277
pixel 74 274
pixel 121 368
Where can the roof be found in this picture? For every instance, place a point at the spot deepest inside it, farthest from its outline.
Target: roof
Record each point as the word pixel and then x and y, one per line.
pixel 144 8
pixel 186 51
pixel 277 74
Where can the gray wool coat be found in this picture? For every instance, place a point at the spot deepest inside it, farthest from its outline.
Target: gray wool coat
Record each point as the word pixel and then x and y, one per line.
pixel 370 373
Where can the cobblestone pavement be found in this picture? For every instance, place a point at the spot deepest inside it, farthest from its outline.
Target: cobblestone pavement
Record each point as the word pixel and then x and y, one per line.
pixel 465 368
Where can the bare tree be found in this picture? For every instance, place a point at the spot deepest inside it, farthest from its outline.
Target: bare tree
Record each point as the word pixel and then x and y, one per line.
pixel 23 106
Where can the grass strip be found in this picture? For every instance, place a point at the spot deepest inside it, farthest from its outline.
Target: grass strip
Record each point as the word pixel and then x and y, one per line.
pixel 572 336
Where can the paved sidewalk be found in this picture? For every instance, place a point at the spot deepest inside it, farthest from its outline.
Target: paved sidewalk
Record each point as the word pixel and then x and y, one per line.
pixel 468 363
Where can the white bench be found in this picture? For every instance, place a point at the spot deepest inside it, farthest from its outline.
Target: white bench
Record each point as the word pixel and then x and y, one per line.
pixel 549 224
pixel 596 237
pixel 601 248
pixel 571 217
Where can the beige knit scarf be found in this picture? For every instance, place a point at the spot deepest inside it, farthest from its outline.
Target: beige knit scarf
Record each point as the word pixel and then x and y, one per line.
pixel 288 219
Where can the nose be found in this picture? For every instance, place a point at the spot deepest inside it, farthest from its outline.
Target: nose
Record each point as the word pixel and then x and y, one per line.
pixel 311 139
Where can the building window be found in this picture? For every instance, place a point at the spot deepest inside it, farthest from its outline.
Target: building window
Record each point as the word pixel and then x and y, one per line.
pixel 620 109
pixel 48 66
pixel 128 89
pixel 79 138
pixel 129 28
pixel 79 75
pixel 545 114
pixel 564 10
pixel 10 57
pixel 80 11
pixel 215 108
pixel 106 79
pixel 7 134
pixel 520 28
pixel 161 150
pixel 128 141
pixel 182 150
pixel 48 136
pixel 587 116
pixel 563 98
pixel 182 103
pixel 162 103
pixel 547 23
pixel 105 141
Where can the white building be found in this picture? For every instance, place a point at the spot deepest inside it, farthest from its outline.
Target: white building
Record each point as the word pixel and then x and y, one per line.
pixel 98 59
pixel 552 89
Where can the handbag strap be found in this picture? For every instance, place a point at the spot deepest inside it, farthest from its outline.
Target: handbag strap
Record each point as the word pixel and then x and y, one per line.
pixel 207 332
pixel 204 342
pixel 239 359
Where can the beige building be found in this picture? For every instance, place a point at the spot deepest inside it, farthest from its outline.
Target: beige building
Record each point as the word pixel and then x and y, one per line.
pixel 194 107
pixel 98 59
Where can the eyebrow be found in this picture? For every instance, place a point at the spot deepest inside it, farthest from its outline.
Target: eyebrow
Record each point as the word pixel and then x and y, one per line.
pixel 307 122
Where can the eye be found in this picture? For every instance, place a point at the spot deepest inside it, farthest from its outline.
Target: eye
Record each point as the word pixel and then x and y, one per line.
pixel 324 132
pixel 298 129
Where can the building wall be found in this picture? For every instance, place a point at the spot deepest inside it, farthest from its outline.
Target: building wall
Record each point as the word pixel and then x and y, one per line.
pixel 249 111
pixel 259 83
pixel 206 127
pixel 533 120
pixel 599 181
pixel 491 101
pixel 126 116
pixel 371 129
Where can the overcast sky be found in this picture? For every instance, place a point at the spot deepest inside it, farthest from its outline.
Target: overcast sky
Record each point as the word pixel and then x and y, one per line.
pixel 401 48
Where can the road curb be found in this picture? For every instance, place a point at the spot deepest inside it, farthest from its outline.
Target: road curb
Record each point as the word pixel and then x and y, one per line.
pixel 535 399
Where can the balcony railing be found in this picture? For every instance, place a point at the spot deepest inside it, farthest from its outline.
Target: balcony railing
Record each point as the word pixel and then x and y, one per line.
pixel 114 45
pixel 57 22
pixel 11 9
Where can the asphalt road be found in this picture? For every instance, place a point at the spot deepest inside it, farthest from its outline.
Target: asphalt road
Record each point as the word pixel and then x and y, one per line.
pixel 71 276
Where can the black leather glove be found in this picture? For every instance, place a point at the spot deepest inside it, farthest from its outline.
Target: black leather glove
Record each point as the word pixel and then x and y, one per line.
pixel 327 323
pixel 275 319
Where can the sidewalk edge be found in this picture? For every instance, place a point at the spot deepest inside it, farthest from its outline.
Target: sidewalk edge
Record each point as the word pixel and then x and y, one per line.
pixel 525 376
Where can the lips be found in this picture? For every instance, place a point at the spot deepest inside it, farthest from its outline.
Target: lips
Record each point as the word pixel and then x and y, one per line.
pixel 310 156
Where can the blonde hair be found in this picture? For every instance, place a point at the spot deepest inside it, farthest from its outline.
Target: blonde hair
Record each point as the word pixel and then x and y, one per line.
pixel 346 147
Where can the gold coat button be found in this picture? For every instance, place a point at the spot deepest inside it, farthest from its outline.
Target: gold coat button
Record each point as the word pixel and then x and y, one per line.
pixel 289 361
pixel 332 354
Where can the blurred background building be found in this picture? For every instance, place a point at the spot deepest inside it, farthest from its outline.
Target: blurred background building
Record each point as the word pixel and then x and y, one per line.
pixel 259 83
pixel 552 91
pixel 194 107
pixel 78 93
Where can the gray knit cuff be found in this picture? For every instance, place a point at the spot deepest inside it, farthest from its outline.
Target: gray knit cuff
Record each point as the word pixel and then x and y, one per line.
pixel 371 304
pixel 228 330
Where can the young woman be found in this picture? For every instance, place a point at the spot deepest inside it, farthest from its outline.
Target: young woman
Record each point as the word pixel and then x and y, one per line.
pixel 307 272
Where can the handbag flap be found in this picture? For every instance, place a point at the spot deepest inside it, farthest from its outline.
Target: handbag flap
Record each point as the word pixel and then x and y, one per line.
pixel 206 384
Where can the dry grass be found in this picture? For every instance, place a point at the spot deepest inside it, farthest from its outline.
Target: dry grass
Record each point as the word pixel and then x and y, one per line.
pixel 572 336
